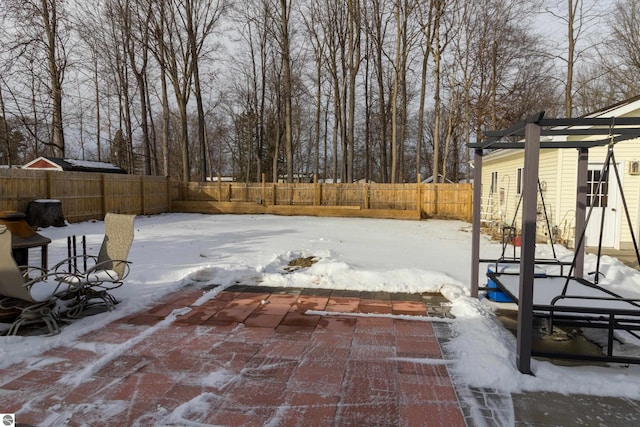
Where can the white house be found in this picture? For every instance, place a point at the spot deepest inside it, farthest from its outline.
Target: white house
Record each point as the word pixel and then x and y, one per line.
pixel 502 179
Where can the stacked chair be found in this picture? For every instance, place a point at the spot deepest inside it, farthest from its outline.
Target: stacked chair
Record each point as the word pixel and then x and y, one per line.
pixel 73 286
pixel 95 276
pixel 32 291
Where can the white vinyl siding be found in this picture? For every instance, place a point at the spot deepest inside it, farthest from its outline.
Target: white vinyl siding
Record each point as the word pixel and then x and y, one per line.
pixel 557 175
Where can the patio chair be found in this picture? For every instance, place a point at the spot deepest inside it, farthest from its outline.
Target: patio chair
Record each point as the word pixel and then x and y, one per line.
pixel 31 291
pixel 97 275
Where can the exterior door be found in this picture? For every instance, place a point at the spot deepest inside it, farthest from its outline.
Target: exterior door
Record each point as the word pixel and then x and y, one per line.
pixel 604 199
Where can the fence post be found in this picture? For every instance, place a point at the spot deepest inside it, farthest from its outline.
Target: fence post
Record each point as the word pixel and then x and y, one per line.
pixel 103 190
pixel 169 198
pixel 50 185
pixel 264 183
pixel 219 188
pixel 273 195
pixel 143 202
pixel 419 196
pixel 315 189
pixel 469 203
pixel 367 196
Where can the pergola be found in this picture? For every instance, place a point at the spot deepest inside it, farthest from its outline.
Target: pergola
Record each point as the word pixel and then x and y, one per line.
pixel 526 135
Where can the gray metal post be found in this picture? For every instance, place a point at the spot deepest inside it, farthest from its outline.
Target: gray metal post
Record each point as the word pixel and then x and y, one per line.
pixel 475 236
pixel 528 246
pixel 581 210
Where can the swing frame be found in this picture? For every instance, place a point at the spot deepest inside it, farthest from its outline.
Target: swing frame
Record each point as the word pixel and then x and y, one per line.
pixel 611 131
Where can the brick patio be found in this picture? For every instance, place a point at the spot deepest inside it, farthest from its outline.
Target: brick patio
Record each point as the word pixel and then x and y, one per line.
pixel 248 357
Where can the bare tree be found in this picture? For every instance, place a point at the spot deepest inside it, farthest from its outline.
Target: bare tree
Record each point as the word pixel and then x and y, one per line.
pixel 310 17
pixel 199 19
pixel 620 54
pixel 4 132
pixel 353 61
pixel 468 70
pixel 442 36
pixel 136 19
pixel 251 65
pixel 378 20
pixel 45 28
pixel 398 75
pixel 426 26
pixel 91 36
pixel 285 51
pixel 157 48
pixel 578 16
pixel 176 60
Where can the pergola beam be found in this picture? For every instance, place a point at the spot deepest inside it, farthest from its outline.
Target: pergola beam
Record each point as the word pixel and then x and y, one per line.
pixel 571 132
pixel 619 128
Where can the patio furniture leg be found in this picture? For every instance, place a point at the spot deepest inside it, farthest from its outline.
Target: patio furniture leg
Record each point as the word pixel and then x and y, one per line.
pixel 33 315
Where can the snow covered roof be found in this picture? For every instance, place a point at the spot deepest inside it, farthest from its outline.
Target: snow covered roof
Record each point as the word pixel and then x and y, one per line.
pixel 73 165
pixel 430 180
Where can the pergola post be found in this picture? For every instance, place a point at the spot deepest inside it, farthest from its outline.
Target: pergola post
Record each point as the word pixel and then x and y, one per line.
pixel 581 210
pixel 528 247
pixel 475 235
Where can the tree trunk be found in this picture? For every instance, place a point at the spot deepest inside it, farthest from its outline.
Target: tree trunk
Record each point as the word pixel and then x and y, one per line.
pixel 423 90
pixel 191 36
pixel 437 103
pixel 96 83
pixel 286 59
pixel 184 140
pixel 394 99
pixel 5 129
pixel 50 20
pixel 166 117
pixel 568 88
pixel 318 125
pixel 354 66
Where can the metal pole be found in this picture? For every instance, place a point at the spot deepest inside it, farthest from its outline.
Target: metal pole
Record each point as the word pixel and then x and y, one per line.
pixel 581 209
pixel 84 252
pixel 69 252
pixel 528 248
pixel 75 253
pixel 475 235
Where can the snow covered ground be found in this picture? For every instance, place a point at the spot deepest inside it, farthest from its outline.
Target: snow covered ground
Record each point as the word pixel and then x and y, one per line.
pixel 172 250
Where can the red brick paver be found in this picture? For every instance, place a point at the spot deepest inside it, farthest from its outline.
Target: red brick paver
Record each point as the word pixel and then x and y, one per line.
pixel 248 357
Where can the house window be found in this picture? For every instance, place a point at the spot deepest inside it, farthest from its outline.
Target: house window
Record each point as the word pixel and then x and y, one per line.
pixel 597 197
pixel 494 183
pixel 519 181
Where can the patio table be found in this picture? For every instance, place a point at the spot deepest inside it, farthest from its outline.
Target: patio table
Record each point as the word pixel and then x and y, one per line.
pixel 23 238
pixel 20 247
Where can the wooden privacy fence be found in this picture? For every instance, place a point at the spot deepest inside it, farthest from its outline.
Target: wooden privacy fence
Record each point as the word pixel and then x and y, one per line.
pixel 84 195
pixel 87 196
pixel 432 200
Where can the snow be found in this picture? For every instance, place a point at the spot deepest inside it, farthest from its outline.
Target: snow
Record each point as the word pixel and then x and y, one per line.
pixel 173 250
pixel 545 289
pixel 91 164
pixel 47 201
